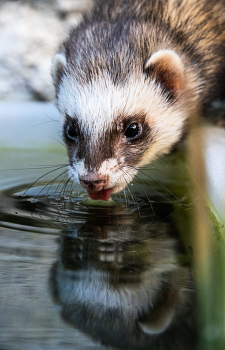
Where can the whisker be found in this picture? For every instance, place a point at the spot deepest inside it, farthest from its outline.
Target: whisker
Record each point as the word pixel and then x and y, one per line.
pixel 157 183
pixel 150 168
pixel 47 121
pixel 139 185
pixel 65 187
pixel 37 167
pixel 60 184
pixel 145 194
pixel 159 193
pixel 41 178
pixel 125 196
pixel 57 141
pixel 63 190
pixel 49 166
pixel 72 187
pixel 131 194
pixel 63 174
pixel 49 172
pixel 51 119
pixel 50 182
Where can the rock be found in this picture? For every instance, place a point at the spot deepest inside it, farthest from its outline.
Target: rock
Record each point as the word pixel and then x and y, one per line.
pixel 68 6
pixel 31 31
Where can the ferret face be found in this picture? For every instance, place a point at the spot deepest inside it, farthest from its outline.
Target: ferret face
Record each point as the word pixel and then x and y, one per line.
pixel 110 130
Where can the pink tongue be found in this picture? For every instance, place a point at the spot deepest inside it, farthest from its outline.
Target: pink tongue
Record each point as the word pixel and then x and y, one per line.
pixel 103 194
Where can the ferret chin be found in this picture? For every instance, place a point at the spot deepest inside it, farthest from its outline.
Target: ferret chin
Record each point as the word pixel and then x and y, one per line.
pixel 128 80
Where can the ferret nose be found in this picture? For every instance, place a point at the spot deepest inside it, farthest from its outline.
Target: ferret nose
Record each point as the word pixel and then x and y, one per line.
pixel 94 185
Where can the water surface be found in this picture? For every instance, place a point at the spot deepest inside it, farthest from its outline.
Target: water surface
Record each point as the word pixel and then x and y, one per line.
pixel 81 277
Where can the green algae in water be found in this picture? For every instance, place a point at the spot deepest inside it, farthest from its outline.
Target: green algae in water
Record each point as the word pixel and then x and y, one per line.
pixel 99 203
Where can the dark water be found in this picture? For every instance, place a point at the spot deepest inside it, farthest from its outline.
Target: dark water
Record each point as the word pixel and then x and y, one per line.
pixel 78 277
pixel 83 277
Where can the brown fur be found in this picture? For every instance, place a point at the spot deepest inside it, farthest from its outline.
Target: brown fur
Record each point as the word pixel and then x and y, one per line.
pixel 159 59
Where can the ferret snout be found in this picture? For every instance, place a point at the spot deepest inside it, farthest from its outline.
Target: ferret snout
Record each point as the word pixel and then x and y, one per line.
pixel 94 185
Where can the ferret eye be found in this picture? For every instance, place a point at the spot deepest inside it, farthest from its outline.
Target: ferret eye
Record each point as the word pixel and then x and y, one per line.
pixel 133 131
pixel 70 132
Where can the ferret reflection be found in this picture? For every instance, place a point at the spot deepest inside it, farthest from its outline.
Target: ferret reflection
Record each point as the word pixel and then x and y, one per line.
pixel 126 290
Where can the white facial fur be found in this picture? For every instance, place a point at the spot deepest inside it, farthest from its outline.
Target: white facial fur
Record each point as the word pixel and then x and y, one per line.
pixel 117 178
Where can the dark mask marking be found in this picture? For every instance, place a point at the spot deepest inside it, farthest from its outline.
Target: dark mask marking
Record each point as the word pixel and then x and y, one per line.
pixel 133 149
pixel 111 144
pixel 94 152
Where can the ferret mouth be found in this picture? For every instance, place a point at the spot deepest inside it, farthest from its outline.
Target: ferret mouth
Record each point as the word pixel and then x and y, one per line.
pixel 103 194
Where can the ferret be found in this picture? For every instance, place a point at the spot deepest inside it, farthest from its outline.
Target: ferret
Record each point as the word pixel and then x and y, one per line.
pixel 128 80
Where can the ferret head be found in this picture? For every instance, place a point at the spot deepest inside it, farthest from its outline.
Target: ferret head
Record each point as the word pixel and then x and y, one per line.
pixel 121 110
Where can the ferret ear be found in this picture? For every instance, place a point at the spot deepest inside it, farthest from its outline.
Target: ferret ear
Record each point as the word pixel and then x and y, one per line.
pixel 159 319
pixel 58 67
pixel 167 69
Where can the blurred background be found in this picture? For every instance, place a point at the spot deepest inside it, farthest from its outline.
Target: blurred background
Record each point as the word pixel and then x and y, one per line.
pixel 31 31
